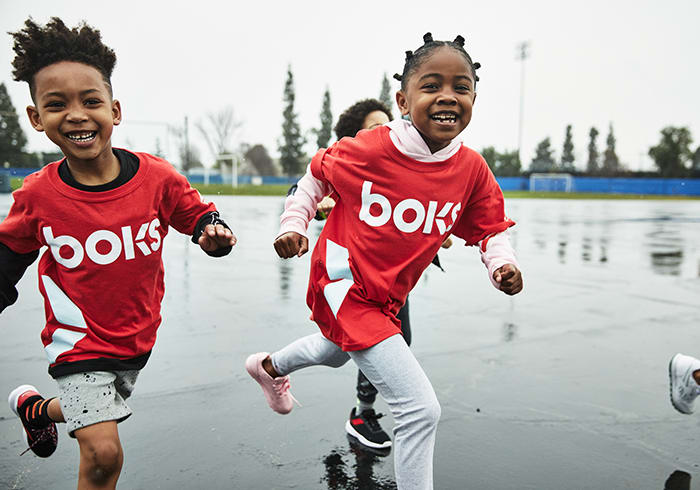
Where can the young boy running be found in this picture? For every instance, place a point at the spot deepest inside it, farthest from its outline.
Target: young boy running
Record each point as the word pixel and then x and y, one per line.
pixel 103 214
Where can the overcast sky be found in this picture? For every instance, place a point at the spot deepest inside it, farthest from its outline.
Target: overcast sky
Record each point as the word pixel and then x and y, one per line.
pixel 630 63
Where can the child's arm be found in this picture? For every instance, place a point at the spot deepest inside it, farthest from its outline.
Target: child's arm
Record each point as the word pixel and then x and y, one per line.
pixel 498 256
pixel 12 267
pixel 299 208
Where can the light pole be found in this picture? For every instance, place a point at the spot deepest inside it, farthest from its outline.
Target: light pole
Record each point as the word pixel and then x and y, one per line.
pixel 522 54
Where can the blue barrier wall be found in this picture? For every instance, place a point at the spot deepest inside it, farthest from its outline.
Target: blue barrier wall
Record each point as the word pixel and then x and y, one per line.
pixel 677 187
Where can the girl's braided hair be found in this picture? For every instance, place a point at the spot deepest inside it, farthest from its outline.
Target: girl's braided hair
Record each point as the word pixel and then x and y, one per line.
pixel 414 59
pixel 37 47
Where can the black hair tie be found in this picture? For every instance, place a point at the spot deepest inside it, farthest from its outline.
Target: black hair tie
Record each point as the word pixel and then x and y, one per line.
pixel 427 38
pixel 398 77
pixel 459 41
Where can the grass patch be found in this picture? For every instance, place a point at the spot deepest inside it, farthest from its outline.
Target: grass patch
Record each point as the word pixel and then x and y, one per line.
pixel 243 190
pixel 16 183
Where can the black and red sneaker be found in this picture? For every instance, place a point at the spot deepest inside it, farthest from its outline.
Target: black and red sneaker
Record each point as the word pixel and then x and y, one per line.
pixel 366 429
pixel 41 439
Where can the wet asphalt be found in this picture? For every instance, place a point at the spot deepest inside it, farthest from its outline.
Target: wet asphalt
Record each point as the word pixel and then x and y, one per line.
pixel 564 386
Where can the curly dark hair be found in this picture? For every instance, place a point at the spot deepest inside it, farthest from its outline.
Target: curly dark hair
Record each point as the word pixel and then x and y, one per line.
pixel 415 59
pixel 350 121
pixel 37 47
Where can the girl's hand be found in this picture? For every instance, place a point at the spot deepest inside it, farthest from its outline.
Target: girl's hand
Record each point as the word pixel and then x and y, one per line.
pixel 216 237
pixel 291 244
pixel 326 206
pixel 509 278
pixel 447 243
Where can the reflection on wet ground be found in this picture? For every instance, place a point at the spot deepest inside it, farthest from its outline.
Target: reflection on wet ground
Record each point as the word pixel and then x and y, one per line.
pixel 353 468
pixel 663 233
pixel 563 386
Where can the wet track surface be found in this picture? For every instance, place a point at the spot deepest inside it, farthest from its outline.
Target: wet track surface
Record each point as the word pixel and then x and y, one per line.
pixel 564 386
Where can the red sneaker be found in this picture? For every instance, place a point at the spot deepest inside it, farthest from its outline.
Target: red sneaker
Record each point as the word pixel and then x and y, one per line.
pixel 41 440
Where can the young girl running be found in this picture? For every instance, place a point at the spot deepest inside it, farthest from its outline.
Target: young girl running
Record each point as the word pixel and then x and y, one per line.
pixel 363 423
pixel 402 189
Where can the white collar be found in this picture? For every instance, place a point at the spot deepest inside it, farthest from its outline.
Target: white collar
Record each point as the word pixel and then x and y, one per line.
pixel 408 141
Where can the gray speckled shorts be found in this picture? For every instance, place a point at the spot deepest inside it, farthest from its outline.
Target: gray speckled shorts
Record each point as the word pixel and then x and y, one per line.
pixel 94 397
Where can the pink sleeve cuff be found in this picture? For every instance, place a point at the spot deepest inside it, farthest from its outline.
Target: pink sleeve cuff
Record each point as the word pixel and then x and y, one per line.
pixel 300 207
pixel 496 251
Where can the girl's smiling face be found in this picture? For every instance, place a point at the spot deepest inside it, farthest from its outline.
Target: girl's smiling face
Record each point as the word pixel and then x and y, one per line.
pixel 439 97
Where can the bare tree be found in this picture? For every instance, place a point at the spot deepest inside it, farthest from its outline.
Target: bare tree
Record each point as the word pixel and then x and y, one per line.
pixel 217 129
pixel 187 152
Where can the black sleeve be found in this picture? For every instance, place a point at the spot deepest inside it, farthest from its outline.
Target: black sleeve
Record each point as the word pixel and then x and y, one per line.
pixel 211 218
pixel 12 267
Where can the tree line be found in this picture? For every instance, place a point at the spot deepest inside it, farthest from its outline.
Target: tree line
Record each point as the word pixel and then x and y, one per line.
pixel 673 155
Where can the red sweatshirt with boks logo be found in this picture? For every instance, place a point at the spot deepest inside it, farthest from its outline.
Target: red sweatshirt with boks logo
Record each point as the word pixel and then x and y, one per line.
pixel 391 216
pixel 102 274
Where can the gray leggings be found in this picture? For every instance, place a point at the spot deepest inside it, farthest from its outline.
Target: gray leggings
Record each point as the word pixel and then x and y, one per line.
pixel 392 368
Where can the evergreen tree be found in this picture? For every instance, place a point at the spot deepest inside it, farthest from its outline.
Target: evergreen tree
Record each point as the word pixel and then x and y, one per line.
pixel 505 164
pixel 12 138
pixel 385 96
pixel 543 161
pixel 509 165
pixel 673 154
pixel 696 163
pixel 611 163
pixel 291 145
pixel 567 152
pixel 592 166
pixel 491 156
pixel 323 134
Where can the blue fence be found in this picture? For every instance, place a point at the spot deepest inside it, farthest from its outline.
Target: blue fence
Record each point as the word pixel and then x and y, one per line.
pixel 677 187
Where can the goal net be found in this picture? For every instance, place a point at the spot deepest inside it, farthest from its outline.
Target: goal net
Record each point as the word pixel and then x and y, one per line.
pixel 551 182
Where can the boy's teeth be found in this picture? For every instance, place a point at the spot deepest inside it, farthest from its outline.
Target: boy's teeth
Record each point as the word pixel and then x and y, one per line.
pixel 82 136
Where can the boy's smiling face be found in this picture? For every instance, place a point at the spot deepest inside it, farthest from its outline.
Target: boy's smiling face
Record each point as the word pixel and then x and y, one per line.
pixel 74 107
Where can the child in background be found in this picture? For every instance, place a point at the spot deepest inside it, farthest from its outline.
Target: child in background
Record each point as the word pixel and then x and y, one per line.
pixel 103 213
pixel 684 381
pixel 401 189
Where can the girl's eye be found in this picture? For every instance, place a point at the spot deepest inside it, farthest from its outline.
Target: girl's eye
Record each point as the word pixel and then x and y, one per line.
pixel 92 101
pixel 463 88
pixel 430 86
pixel 55 104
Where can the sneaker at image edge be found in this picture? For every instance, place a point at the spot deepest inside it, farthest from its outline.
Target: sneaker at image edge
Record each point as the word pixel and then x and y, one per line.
pixel 43 440
pixel 683 387
pixel 366 429
pixel 276 390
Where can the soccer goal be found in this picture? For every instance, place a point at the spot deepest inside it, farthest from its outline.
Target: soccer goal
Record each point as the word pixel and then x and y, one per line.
pixel 551 182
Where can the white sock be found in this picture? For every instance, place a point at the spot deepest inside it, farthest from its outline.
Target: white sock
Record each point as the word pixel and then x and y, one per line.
pixel 362 406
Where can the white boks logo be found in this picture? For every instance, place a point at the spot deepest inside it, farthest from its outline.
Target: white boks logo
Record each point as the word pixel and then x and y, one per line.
pixel 423 217
pixel 110 237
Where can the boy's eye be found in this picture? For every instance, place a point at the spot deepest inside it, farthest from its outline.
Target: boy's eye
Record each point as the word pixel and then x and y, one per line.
pixel 92 101
pixel 54 104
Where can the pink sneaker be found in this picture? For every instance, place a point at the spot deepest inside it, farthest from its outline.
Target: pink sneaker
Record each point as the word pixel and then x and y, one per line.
pixel 276 390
